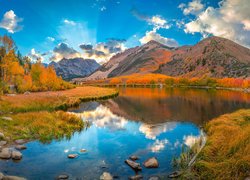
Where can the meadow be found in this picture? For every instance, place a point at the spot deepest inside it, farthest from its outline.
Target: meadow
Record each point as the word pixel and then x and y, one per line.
pixel 39 115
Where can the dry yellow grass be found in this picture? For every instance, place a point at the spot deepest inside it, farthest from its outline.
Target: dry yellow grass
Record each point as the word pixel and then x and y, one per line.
pixel 42 125
pixel 227 152
pixel 35 117
pixel 52 100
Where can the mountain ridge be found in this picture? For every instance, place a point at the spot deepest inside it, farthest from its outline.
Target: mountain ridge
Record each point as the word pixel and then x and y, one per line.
pixel 74 68
pixel 211 57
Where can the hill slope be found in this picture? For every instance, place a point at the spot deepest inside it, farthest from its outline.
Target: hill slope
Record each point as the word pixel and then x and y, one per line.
pixel 143 59
pixel 211 57
pixel 74 68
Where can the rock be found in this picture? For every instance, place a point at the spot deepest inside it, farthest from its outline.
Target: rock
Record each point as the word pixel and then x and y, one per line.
pixel 20 147
pixel 72 156
pixel 13 178
pixel 16 155
pixel 133 165
pixel 20 141
pixel 154 178
pixel 106 176
pixel 136 177
pixel 1 135
pixel 2 143
pixel 63 176
pixel 5 153
pixel 133 158
pixel 174 174
pixel 151 163
pixel 7 118
pixel 1 176
pixel 83 150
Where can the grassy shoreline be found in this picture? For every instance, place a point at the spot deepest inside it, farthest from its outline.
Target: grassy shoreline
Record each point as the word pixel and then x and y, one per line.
pixel 41 115
pixel 244 90
pixel 226 153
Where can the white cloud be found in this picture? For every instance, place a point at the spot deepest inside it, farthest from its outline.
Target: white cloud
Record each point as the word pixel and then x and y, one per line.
pixel 69 22
pixel 191 140
pixel 159 145
pixel 10 22
pixel 152 131
pixel 194 7
pixel 51 39
pixel 230 20
pixel 153 35
pixel 158 22
pixel 102 117
pixel 103 51
pixel 35 56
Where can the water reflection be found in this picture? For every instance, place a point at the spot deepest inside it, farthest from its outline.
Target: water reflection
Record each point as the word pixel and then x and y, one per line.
pixel 143 122
pixel 155 106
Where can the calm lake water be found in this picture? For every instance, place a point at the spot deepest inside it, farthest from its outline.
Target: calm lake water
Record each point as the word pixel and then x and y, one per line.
pixel 143 122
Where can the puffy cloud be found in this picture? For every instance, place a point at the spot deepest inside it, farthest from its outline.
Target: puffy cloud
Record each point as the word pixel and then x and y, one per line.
pixel 230 20
pixel 10 22
pixel 159 145
pixel 103 51
pixel 153 35
pixel 157 21
pixel 69 22
pixel 102 117
pixel 194 7
pixel 191 140
pixel 35 56
pixel 51 39
pixel 152 131
pixel 62 50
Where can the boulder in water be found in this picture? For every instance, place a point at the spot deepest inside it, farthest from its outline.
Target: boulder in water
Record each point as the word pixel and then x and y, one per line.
pixel 151 163
pixel 133 165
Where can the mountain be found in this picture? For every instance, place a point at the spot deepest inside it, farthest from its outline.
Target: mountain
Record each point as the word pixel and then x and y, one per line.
pixel 211 57
pixel 143 59
pixel 74 68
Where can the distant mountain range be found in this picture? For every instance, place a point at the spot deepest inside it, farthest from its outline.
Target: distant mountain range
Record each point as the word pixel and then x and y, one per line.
pixel 74 68
pixel 211 57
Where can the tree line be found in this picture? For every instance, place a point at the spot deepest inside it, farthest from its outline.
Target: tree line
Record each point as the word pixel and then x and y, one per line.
pixel 23 75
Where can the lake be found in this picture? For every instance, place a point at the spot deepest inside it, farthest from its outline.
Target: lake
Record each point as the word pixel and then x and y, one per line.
pixel 140 121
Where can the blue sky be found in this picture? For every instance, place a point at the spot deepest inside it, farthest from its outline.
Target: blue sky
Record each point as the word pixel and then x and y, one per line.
pixel 110 26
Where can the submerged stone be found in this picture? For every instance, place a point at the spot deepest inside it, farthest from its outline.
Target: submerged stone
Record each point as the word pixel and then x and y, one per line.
pixel 83 150
pixel 133 165
pixel 106 176
pixel 72 156
pixel 136 177
pixel 63 176
pixel 151 163
pixel 133 158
